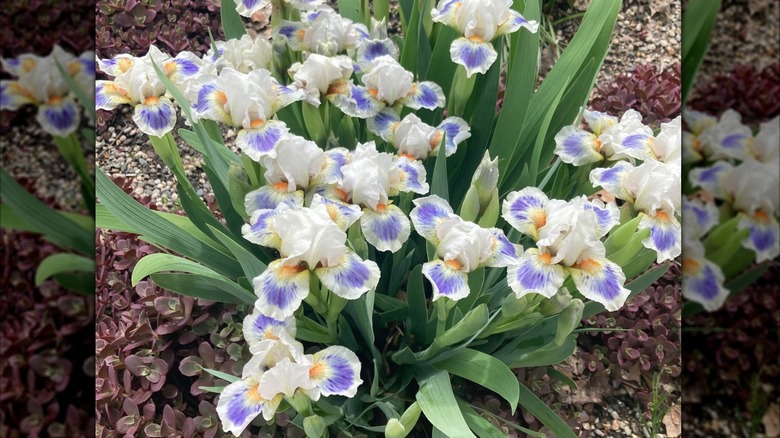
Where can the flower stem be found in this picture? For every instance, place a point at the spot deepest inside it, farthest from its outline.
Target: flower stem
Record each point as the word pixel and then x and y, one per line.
pixel 70 148
pixel 441 316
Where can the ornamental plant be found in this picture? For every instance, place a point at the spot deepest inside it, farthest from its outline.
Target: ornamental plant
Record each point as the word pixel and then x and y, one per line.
pixel 373 275
pixel 60 86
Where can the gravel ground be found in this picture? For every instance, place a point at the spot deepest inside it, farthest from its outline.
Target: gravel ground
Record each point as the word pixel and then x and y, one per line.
pixel 746 32
pixel 28 152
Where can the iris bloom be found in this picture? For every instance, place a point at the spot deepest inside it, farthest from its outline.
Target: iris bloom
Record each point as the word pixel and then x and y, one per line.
pixel 248 102
pixel 321 76
pixel 607 139
pixel 702 280
pixel 308 240
pixel 289 173
pixel 374 44
pixel 654 190
pixel 753 190
pixel 479 21
pixel 387 83
pixel 243 55
pixel 247 8
pixel 136 83
pixel 38 82
pixel 368 179
pixel 727 139
pixel 461 247
pixel 414 138
pixel 696 122
pixel 283 370
pixel 322 31
pixel 568 239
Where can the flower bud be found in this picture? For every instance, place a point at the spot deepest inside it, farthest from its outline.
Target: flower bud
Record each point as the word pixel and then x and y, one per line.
pixel 394 429
pixel 556 303
pixel 238 187
pixel 399 428
pixel 481 199
pixel 625 254
pixel 568 320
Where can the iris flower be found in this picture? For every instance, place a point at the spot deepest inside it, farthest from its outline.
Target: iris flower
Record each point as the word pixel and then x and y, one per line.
pixel 38 82
pixel 321 76
pixel 282 370
pixel 414 138
pixel 322 31
pixel 248 102
pixel 752 188
pixel 654 190
pixel 309 239
pixel 387 84
pixel 136 83
pixel 568 240
pixel 368 179
pixel 461 247
pixel 243 55
pixel 606 139
pixel 479 21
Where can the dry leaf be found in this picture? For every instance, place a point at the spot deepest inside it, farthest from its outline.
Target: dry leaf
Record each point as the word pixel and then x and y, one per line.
pixel 771 421
pixel 673 421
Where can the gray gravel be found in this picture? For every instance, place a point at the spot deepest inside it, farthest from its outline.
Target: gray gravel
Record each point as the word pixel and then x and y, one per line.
pixel 28 152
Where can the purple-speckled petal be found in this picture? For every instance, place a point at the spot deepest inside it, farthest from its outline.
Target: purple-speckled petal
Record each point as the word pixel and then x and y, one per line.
pixel 602 281
pixel 350 278
pixel 447 281
pixel 239 403
pixel 607 215
pixel 155 117
pixel 271 196
pixel 665 235
pixel 412 176
pixel 455 130
pixel 426 95
pixel 526 210
pixel 261 141
pixel 427 214
pixel 387 229
pixel 476 57
pixel 280 289
pixel 384 124
pixel 535 274
pixel 336 371
pixel 577 147
pixel 343 214
pixel 504 252
pixel 764 237
pixel 59 119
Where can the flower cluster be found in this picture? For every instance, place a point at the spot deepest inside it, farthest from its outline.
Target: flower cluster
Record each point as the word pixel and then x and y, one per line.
pixel 652 188
pixel 278 369
pixel 568 239
pixel 38 82
pixel 737 203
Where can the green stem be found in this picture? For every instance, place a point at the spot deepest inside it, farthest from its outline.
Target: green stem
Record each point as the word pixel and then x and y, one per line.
pixel 70 148
pixel 441 316
pixel 460 93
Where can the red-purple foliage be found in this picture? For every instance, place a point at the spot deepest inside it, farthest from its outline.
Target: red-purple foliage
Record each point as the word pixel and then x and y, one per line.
pixel 36 26
pixel 47 344
pixel 654 93
pixel 754 94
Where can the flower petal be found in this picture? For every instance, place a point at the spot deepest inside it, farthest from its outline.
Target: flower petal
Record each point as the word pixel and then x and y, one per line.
pixel 476 57
pixel 607 215
pixel 336 371
pixel 258 328
pixel 699 217
pixel 351 277
pixel 505 253
pixel 259 229
pixel 13 95
pixel 412 176
pixel 446 12
pixel 709 178
pixel 602 281
pixel 294 33
pixel 286 378
pixel 535 274
pixel 515 22
pixel 280 289
pixel 455 130
pixel 447 281
pixel 343 214
pixel 384 124
pixel 239 403
pixel 598 122
pixel 637 145
pixel 577 147
pixel 357 102
pixel 246 8
pixel 426 95
pixel 612 179
pixel 59 119
pixel 156 117
pixel 702 280
pixel 108 95
pixel 427 214
pixel 665 235
pixel 386 229
pixel 372 49
pixel 261 141
pixel 526 210
pixel 764 237
pixel 271 196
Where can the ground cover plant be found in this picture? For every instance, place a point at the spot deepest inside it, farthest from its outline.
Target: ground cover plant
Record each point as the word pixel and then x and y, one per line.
pixel 353 323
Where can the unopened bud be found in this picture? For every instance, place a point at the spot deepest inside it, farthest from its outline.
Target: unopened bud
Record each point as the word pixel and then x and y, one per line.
pixel 568 320
pixel 556 303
